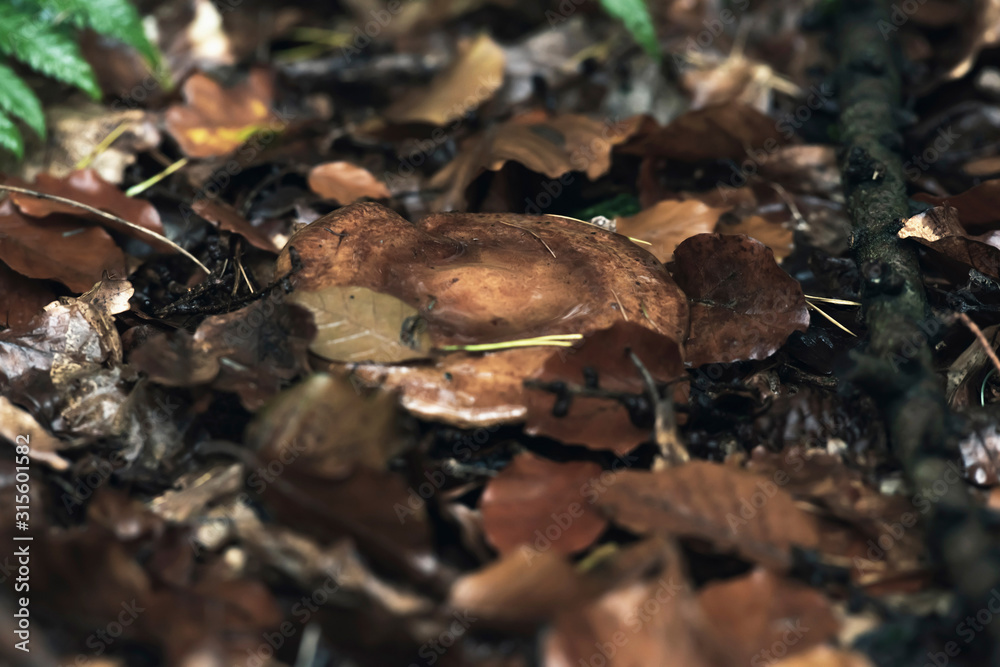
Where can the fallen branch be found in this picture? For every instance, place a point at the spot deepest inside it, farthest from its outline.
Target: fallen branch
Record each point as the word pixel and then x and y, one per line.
pixel 896 368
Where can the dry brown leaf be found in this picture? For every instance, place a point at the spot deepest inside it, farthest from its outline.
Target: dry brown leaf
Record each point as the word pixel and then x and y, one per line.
pixel 670 222
pixel 729 508
pixel 21 298
pixel 939 228
pixel 327 422
pixel 87 187
pixel 976 207
pixel 550 146
pixel 356 324
pixel 472 79
pixel 712 133
pixel 776 236
pixel 214 121
pixel 521 588
pixel 59 248
pixel 537 502
pixel 345 183
pixel 226 217
pixel 761 616
pixel 20 428
pixel 743 306
pixel 600 423
pixel 825 656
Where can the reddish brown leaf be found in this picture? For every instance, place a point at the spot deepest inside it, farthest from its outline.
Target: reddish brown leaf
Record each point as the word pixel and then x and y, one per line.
pixel 761 616
pixel 226 217
pixel 550 146
pixel 743 306
pixel 729 508
pixel 776 236
pixel 87 187
pixel 670 222
pixel 214 121
pixel 58 248
pixel 345 183
pixel 21 298
pixel 538 502
pixel 521 588
pixel 712 133
pixel 600 423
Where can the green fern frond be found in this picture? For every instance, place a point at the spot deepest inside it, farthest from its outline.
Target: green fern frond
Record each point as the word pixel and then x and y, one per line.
pixel 117 19
pixel 10 138
pixel 42 35
pixel 17 100
pixel 50 49
pixel 638 21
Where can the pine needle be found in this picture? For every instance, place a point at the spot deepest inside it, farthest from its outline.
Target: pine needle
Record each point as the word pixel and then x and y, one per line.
pixel 837 302
pixel 554 340
pixel 832 321
pixel 153 180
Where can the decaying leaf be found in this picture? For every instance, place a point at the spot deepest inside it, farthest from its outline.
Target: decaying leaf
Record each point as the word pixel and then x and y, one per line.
pixel 727 507
pixel 521 588
pixel 21 298
pixel 715 132
pixel 58 248
pixel 327 422
pixel 541 503
pixel 346 183
pixel 755 613
pixel 939 228
pixel 470 81
pixel 743 306
pixel 606 356
pixel 552 146
pixel 357 324
pixel 226 217
pixel 20 428
pixel 670 222
pixel 214 121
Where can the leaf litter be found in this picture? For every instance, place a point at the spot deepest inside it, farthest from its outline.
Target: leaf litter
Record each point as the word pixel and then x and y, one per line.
pixel 503 350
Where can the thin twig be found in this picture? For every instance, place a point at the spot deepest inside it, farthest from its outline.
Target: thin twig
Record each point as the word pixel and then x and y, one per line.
pixel 107 216
pixel 978 333
pixel 672 450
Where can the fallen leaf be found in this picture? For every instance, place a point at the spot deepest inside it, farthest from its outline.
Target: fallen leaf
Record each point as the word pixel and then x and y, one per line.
pixel 743 306
pixel 600 423
pixel 345 183
pixel 21 298
pixel 226 217
pixel 20 428
pixel 58 248
pixel 87 187
pixel 761 615
pixel 521 588
pixel 976 208
pixel 357 324
pixel 651 619
pixel 670 222
pixel 549 146
pixel 939 229
pixel 471 80
pixel 327 422
pixel 776 236
pixel 731 509
pixel 720 132
pixel 825 656
pixel 214 121
pixel 534 501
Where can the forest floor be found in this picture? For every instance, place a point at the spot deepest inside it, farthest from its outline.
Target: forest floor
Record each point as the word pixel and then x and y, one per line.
pixel 476 333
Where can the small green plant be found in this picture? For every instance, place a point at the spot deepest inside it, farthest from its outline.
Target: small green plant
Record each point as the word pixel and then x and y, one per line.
pixel 635 15
pixel 42 35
